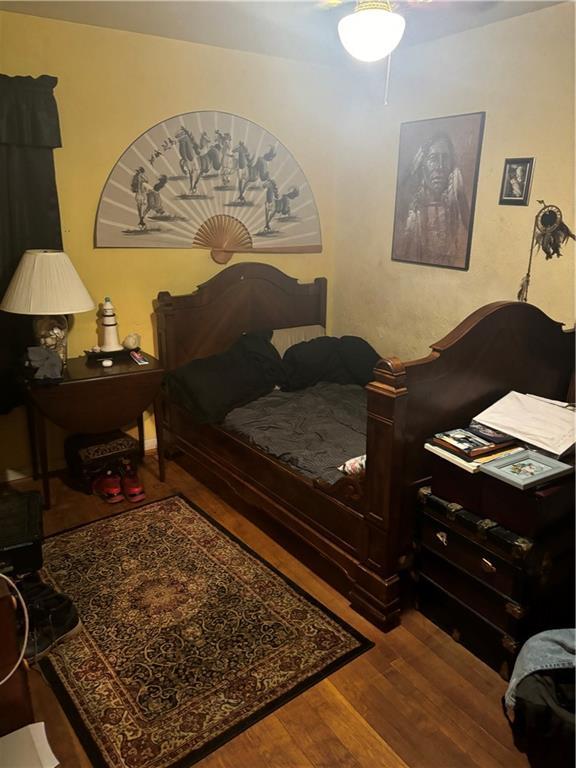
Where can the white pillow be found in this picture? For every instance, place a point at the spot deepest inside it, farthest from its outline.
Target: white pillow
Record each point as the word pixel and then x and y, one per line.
pixel 355 466
pixel 286 337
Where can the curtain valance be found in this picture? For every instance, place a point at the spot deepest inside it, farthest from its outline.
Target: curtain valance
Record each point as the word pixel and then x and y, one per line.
pixel 28 111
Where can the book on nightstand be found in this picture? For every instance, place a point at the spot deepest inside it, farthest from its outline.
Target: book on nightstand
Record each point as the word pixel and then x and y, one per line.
pixel 473 441
pixel 471 465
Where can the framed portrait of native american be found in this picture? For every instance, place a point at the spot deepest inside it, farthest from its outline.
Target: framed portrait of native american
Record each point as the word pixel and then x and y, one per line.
pixel 516 180
pixel 209 180
pixel 438 164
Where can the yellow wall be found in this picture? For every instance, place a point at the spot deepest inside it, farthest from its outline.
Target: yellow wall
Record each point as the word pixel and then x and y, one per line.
pixel 112 87
pixel 521 73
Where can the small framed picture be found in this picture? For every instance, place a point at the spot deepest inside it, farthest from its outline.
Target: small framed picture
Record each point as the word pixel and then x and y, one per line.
pixel 526 469
pixel 516 180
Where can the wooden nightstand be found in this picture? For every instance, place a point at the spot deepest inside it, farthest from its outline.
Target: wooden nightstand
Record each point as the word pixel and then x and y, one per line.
pixel 493 576
pixel 92 399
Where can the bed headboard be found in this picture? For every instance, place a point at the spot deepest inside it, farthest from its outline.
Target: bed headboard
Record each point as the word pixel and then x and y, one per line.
pixel 241 298
pixel 500 347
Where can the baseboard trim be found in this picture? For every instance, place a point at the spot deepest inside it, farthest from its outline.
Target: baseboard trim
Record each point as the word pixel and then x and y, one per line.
pixel 11 475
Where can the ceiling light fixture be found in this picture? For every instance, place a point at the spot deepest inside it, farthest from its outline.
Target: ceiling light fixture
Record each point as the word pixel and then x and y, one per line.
pixel 372 31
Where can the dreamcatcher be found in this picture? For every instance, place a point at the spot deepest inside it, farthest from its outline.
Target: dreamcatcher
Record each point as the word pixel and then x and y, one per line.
pixel 549 235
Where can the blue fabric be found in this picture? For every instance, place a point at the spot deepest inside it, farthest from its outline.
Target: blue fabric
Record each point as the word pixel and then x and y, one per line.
pixel 552 649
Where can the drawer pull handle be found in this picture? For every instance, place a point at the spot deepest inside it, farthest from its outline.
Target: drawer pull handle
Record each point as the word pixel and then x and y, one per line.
pixel 515 610
pixel 487 566
pixel 510 644
pixel 442 537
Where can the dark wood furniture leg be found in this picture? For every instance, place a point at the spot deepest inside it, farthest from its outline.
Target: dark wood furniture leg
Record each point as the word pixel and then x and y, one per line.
pixel 43 458
pixel 140 422
pixel 31 423
pixel 159 436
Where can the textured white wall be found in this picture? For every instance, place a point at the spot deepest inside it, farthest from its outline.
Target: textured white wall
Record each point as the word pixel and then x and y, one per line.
pixel 521 73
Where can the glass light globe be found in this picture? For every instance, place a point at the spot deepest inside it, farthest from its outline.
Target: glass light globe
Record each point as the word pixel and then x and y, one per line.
pixel 371 34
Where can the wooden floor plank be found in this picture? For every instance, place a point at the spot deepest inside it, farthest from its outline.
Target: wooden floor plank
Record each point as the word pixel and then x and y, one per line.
pixel 303 719
pixel 401 721
pixel 454 686
pixel 351 730
pixel 454 653
pixel 266 743
pixel 463 731
pixel 60 734
pixel 417 700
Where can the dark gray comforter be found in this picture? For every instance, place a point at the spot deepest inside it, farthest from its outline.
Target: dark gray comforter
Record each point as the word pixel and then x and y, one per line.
pixel 314 430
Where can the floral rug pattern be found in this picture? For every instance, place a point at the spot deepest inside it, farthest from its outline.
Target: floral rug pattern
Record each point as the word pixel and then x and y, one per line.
pixel 188 637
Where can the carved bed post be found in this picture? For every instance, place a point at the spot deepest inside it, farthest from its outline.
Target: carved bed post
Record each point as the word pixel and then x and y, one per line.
pixel 376 589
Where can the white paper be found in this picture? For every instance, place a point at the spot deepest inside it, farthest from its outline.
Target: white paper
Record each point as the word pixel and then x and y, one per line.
pixel 561 403
pixel 467 466
pixel 27 748
pixel 534 420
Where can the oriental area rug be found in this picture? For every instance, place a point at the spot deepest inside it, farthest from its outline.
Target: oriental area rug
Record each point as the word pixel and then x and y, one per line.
pixel 188 637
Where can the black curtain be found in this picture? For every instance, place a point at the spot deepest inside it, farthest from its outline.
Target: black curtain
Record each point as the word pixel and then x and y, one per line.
pixel 29 212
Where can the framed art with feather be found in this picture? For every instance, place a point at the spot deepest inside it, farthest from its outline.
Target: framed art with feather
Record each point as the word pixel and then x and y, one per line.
pixel 438 164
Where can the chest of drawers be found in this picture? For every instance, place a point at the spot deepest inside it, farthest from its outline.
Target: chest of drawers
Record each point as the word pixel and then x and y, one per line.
pixel 488 586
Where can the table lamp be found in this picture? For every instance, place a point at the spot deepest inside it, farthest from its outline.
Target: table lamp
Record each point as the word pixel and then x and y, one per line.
pixel 47 286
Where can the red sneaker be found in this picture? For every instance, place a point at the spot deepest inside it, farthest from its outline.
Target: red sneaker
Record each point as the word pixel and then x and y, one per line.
pixel 108 487
pixel 132 486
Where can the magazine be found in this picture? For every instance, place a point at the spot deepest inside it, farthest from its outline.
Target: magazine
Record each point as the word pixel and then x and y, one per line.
pixel 487 433
pixel 468 444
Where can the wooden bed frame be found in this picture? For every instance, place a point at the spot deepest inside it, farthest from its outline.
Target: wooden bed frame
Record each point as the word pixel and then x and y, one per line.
pixel 361 531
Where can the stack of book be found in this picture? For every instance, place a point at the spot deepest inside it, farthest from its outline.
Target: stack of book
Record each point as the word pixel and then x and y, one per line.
pixel 473 446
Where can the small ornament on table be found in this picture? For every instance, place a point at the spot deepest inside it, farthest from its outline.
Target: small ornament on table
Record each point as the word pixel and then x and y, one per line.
pixel 109 327
pixel 132 341
pixel 47 362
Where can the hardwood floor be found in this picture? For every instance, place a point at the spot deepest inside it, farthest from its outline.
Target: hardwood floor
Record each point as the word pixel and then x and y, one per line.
pixel 417 700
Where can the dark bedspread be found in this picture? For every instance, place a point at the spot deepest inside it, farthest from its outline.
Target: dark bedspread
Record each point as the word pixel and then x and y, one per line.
pixel 314 430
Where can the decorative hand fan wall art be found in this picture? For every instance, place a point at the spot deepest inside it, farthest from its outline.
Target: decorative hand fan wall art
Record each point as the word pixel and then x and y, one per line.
pixel 208 180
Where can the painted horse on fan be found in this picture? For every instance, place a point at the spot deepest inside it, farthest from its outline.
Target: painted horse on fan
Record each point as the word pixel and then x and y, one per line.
pixel 189 163
pixel 244 163
pixel 250 171
pixel 209 153
pixel 275 204
pixel 259 169
pixel 227 164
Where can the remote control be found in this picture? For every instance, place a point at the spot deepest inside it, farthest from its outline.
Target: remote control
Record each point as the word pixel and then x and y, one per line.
pixel 138 357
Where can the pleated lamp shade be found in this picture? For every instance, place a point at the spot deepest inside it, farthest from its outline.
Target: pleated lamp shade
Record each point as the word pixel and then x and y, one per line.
pixel 46 283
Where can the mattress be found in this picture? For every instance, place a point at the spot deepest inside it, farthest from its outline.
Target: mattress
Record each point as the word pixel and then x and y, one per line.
pixel 313 430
